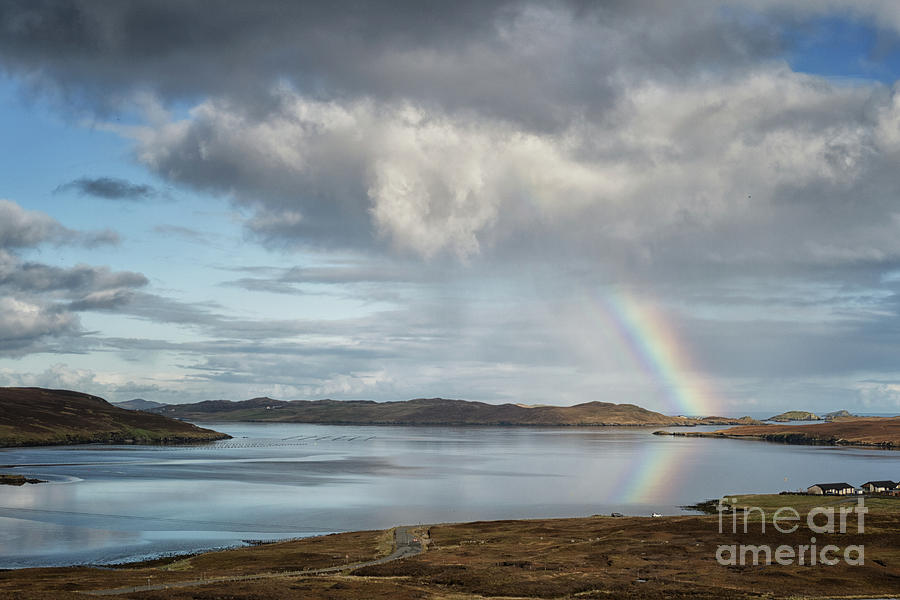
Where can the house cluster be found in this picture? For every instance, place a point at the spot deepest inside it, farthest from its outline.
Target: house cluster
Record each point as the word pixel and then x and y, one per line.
pixel 845 489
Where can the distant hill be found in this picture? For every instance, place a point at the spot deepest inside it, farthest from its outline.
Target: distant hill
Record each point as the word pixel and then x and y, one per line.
pixel 138 404
pixel 726 421
pixel 859 431
pixel 37 417
pixel 425 411
pixel 795 415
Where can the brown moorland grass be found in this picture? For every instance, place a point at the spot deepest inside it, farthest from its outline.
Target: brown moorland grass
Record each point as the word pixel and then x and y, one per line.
pixel 310 553
pixel 598 557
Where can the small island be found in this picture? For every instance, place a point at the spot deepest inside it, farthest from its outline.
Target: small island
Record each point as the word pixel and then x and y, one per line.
pixel 10 479
pixel 795 415
pixel 838 414
pixel 42 417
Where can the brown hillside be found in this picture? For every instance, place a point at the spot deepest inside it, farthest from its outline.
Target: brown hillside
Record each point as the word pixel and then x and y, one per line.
pixel 424 411
pixel 36 416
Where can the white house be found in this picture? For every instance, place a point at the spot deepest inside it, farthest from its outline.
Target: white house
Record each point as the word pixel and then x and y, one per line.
pixel 830 489
pixel 873 487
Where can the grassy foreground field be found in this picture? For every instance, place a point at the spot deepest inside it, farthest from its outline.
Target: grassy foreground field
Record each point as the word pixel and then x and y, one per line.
pixel 596 557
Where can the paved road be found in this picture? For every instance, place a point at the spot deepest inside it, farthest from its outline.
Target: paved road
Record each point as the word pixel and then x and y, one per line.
pixel 405 544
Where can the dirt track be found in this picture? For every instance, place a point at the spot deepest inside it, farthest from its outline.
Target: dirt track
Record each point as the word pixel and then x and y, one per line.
pixel 405 544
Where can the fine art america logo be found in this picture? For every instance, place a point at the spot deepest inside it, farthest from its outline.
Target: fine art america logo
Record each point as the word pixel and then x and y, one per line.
pixel 787 520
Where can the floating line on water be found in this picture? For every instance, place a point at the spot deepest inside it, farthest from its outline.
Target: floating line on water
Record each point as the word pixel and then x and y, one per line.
pixel 250 526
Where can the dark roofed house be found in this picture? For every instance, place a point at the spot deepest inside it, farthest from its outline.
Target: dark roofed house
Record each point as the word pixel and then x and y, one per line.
pixel 830 489
pixel 879 486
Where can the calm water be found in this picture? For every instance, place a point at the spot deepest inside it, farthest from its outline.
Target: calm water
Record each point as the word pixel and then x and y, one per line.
pixel 112 503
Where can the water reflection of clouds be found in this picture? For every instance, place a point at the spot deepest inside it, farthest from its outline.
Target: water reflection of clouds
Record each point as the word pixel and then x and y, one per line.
pixel 19 534
pixel 37 495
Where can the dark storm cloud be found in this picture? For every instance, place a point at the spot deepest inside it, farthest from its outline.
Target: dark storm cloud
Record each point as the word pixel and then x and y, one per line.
pixel 459 55
pixel 109 188
pixel 459 128
pixel 503 67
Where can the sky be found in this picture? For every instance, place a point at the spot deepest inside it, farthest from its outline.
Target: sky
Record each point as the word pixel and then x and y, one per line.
pixel 688 206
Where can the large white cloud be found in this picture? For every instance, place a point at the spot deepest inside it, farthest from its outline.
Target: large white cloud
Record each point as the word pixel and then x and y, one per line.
pixel 706 171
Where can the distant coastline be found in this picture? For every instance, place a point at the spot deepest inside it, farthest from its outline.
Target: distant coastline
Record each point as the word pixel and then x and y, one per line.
pixel 433 412
pixel 881 432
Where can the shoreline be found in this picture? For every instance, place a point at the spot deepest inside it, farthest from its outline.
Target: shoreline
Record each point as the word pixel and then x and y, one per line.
pixel 457 424
pixel 168 441
pixel 781 439
pixel 576 557
pixel 700 509
pixel 865 432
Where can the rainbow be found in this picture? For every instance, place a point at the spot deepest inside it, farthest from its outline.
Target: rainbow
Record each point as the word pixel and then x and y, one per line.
pixel 653 343
pixel 654 472
pixel 626 334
